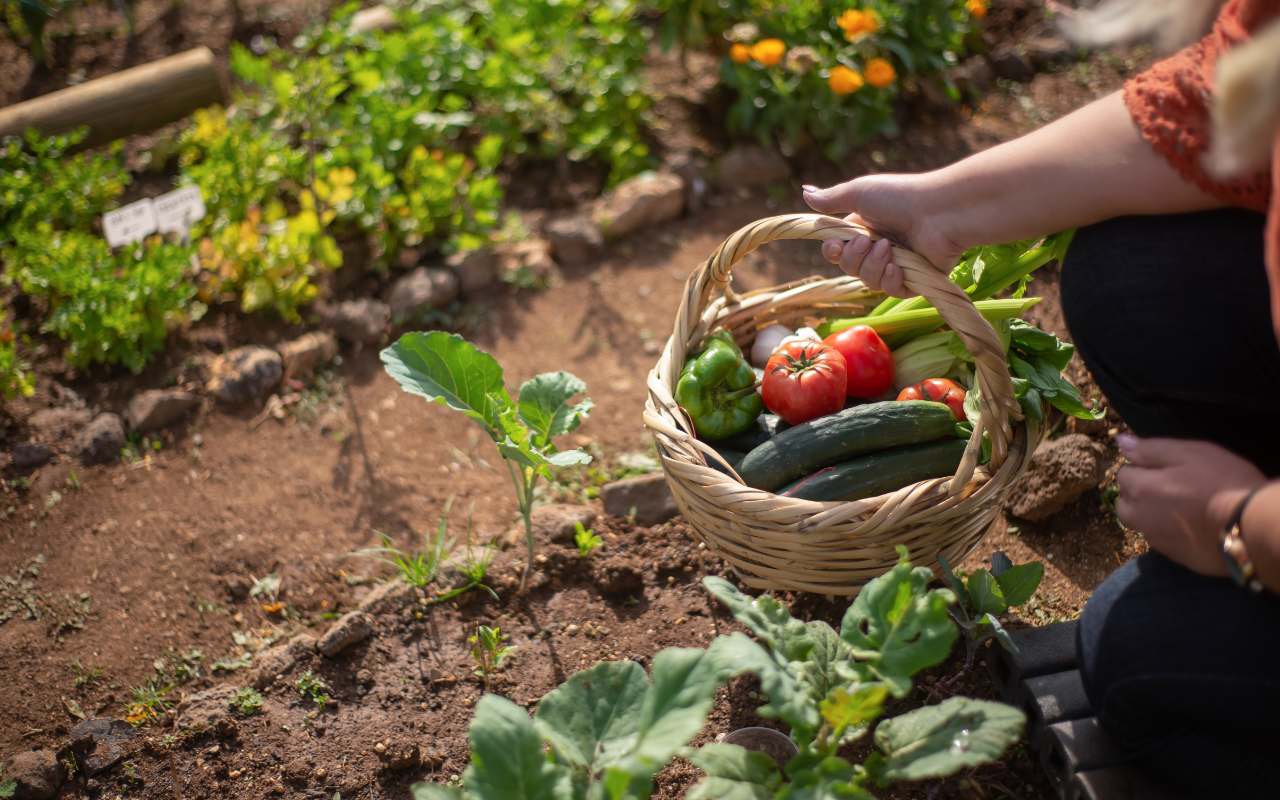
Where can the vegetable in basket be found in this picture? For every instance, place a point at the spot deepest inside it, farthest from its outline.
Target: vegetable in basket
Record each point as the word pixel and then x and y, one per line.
pixel 939 390
pixel 803 380
pixel 868 362
pixel 717 388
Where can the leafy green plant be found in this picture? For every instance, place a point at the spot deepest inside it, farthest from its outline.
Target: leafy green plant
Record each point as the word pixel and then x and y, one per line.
pixel 312 688
pixel 585 539
pixel 8 788
pixel 246 702
pixel 986 594
pixel 447 369
pixel 489 649
pixel 417 568
pixel 609 729
pixel 15 379
pixel 148 702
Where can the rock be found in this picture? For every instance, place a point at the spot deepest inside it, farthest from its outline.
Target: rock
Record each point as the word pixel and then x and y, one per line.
pixel 237 587
pixel 158 408
pixel 351 628
pixel 575 240
pixel 100 441
pixel 1047 50
pixel 54 424
pixel 206 710
pixel 280 660
pixel 476 270
pixel 421 290
pixel 399 757
pixel 556 522
pixel 37 773
pixel 301 356
pixel 648 495
pixel 617 576
pixel 1012 63
pixel 1061 470
pixel 388 597
pixel 750 165
pixel 640 202
pixel 98 744
pixel 363 321
pixel 29 455
pixel 245 374
pixel 973 76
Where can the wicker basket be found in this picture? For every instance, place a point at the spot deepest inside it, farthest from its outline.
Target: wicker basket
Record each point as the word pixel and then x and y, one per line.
pixel 776 542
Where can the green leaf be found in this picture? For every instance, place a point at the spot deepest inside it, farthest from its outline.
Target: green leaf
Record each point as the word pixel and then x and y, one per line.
pixel 734 773
pixel 766 617
pixel 790 699
pixel 814 777
pixel 593 718
pixel 949 576
pixel 568 458
pixel 998 633
pixel 429 791
pixel 1000 563
pixel 8 788
pixel 1020 582
pixel 684 684
pixel 985 593
pixel 936 741
pixel 899 626
pixel 843 709
pixel 544 405
pixel 507 762
pixel 447 369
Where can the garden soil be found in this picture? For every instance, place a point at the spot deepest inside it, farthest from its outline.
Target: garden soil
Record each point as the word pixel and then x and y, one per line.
pixel 144 568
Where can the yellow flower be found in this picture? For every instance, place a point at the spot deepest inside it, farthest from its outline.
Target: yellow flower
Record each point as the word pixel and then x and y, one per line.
pixel 769 52
pixel 739 53
pixel 843 80
pixel 977 8
pixel 880 73
pixel 858 24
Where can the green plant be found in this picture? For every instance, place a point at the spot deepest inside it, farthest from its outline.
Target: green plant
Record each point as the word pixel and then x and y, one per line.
pixel 312 688
pixel 247 701
pixel 609 729
pixel 86 676
pixel 420 568
pixel 489 649
pixel 586 540
pixel 984 595
pixel 447 369
pixel 148 702
pixel 8 788
pixel 15 379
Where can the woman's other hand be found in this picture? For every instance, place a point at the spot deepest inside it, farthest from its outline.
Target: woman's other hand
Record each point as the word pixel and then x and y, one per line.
pixel 896 208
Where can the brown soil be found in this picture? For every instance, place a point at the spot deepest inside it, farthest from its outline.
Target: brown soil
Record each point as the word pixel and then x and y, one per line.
pixel 139 564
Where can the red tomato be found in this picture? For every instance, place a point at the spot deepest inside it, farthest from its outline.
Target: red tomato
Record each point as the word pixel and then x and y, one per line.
pixel 867 360
pixel 940 390
pixel 804 380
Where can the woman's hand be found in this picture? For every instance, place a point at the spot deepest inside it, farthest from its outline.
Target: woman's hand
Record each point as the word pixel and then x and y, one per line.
pixel 894 206
pixel 1180 494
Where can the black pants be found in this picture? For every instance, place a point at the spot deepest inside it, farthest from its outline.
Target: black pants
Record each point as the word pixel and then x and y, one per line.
pixel 1171 314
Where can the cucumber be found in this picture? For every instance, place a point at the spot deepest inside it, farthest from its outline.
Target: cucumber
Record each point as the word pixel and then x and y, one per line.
pixel 765 428
pixel 803 448
pixel 734 457
pixel 876 473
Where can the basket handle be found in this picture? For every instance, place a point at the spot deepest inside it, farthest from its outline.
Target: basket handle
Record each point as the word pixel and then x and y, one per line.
pixel 999 405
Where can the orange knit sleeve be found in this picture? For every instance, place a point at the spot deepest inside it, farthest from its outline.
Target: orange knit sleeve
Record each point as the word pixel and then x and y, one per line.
pixel 1170 104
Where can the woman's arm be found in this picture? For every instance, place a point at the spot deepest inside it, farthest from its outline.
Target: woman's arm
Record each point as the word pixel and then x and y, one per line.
pixel 1088 166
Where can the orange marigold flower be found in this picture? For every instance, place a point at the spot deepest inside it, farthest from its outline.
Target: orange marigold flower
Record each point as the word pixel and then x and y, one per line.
pixel 858 24
pixel 739 53
pixel 977 8
pixel 843 80
pixel 769 52
pixel 880 73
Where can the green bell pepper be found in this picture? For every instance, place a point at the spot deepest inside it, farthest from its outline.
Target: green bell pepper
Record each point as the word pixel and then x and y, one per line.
pixel 718 389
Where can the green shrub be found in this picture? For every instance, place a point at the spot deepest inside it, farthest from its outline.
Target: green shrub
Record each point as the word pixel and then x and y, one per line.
pixel 820 72
pixel 14 378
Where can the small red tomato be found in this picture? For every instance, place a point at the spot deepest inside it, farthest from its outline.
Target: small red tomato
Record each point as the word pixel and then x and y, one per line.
pixel 804 379
pixel 939 390
pixel 867 358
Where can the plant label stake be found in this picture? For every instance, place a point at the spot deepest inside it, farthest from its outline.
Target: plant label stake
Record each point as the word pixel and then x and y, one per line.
pixel 176 210
pixel 129 224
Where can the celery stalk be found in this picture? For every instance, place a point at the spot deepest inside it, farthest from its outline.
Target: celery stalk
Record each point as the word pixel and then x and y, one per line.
pixel 903 324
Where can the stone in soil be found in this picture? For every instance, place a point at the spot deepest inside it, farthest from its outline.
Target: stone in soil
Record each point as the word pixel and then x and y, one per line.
pixel 475 270
pixel 388 597
pixel 1060 471
pixel 244 375
pixel 303 355
pixel 155 409
pixel 100 441
pixel 363 321
pixel 421 290
pixel 27 456
pixel 50 425
pixel 271 663
pixel 98 744
pixel 750 165
pixel 617 576
pixel 647 495
pixel 556 522
pixel 575 240
pixel 638 203
pixel 38 775
pixel 207 710
pixel 351 628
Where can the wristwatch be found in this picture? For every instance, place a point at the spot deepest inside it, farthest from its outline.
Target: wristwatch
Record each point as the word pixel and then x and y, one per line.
pixel 1234 553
